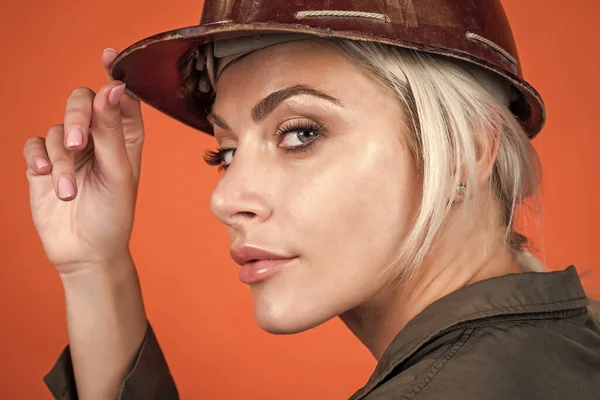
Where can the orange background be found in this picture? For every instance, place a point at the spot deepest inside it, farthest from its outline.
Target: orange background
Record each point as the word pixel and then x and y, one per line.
pixel 200 311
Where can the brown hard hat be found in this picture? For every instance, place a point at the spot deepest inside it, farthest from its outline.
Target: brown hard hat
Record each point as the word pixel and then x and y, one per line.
pixel 162 70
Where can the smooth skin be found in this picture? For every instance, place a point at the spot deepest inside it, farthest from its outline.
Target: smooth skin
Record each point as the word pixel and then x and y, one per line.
pixel 341 207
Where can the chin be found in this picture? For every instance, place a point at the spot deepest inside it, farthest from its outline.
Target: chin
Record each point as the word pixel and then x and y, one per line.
pixel 284 317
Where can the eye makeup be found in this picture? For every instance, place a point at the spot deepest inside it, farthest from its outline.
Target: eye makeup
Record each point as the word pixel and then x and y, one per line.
pixel 302 131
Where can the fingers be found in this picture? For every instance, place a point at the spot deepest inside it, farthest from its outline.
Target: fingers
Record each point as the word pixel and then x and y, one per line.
pixel 107 130
pixel 112 118
pixel 36 156
pixel 62 160
pixel 78 115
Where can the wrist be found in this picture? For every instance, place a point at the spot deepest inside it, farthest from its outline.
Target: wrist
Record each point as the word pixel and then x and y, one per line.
pixel 109 292
pixel 117 265
pixel 112 281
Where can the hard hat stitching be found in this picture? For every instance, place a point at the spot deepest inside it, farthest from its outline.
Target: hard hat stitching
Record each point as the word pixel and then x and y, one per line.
pixel 478 38
pixel 341 14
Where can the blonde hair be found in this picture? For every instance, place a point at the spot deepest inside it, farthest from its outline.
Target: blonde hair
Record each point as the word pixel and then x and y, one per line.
pixel 450 114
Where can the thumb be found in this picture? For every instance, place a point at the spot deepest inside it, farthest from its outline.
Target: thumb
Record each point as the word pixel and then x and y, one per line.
pixel 131 117
pixel 107 132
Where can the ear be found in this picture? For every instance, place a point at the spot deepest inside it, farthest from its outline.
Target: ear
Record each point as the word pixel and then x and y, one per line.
pixel 486 153
pixel 486 150
pixel 487 144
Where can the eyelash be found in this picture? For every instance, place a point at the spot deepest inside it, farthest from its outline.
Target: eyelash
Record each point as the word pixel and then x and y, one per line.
pixel 216 157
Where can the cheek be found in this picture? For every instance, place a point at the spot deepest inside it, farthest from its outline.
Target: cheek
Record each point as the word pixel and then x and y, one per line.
pixel 351 214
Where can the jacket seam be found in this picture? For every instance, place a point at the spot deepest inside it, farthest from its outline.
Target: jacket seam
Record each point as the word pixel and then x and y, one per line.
pixel 529 319
pixel 526 306
pixel 423 381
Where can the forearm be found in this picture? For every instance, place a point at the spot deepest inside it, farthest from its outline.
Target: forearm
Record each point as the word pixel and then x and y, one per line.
pixel 106 324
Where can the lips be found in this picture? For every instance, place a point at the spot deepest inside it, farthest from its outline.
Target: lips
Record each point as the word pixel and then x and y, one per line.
pixel 244 254
pixel 258 264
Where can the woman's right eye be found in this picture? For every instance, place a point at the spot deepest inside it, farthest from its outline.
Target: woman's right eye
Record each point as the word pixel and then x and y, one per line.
pixel 221 158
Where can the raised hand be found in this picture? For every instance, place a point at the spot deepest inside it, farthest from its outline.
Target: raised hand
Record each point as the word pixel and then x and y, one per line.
pixel 83 177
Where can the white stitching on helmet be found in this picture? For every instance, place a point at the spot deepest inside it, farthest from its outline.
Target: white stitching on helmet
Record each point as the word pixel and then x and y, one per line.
pixel 225 21
pixel 478 38
pixel 341 14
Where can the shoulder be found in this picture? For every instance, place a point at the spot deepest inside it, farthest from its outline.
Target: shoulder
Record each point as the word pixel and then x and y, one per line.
pixel 545 359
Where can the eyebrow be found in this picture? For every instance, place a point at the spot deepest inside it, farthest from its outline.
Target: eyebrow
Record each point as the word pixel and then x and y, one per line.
pixel 214 119
pixel 266 106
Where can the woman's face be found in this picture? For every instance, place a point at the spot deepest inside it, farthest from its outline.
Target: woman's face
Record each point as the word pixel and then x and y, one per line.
pixel 321 176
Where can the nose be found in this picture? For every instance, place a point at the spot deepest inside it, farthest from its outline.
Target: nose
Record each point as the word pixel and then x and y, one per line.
pixel 241 195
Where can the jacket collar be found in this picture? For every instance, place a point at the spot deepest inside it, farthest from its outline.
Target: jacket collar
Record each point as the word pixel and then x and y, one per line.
pixel 514 294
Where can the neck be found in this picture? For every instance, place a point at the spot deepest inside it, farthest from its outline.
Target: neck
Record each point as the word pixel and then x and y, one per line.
pixel 377 321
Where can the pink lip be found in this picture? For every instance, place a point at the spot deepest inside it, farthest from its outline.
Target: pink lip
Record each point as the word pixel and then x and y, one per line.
pixel 257 271
pixel 257 264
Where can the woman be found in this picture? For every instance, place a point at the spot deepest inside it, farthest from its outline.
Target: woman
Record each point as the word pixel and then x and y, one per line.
pixel 373 155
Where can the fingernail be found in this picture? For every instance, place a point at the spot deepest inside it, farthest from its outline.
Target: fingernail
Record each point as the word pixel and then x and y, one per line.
pixel 116 94
pixel 109 49
pixel 74 137
pixel 65 187
pixel 40 163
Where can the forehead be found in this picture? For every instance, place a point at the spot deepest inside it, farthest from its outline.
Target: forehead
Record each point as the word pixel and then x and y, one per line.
pixel 307 62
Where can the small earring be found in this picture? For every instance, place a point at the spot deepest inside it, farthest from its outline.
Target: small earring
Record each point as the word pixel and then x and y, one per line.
pixel 461 189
